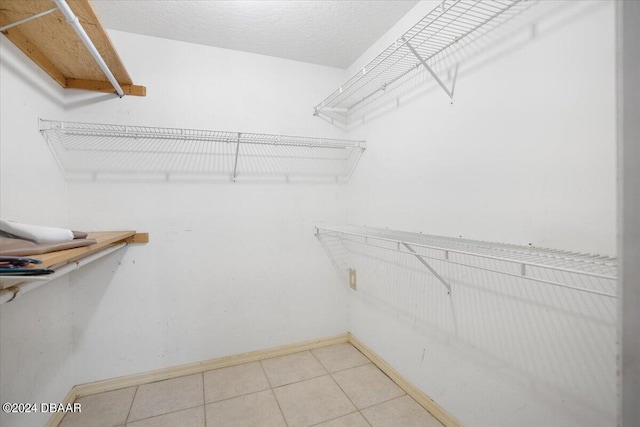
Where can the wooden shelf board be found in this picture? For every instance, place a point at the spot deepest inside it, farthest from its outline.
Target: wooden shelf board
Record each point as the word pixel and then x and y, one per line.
pixel 58 259
pixel 104 239
pixel 55 47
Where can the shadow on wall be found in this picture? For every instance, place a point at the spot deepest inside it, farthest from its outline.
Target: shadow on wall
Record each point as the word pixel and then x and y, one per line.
pixel 558 343
pixel 89 287
pixel 519 26
pixel 35 351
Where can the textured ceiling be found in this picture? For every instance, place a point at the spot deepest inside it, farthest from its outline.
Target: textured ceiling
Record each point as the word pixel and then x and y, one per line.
pixel 330 32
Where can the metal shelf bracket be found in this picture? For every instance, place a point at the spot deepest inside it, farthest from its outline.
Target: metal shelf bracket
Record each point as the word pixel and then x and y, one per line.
pixel 431 269
pixel 430 70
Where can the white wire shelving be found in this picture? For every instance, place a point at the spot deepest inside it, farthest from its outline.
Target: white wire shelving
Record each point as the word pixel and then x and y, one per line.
pixel 92 150
pixel 441 31
pixel 591 274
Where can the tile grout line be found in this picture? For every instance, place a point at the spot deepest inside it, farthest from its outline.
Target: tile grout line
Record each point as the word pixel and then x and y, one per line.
pixel 343 369
pixel 300 381
pixel 343 392
pixel 387 376
pixel 326 372
pixel 389 400
pixel 273 393
pixel 166 413
pixel 359 410
pixel 353 367
pixel 319 361
pixel 239 395
pixel 333 419
pixel 366 420
pixel 126 420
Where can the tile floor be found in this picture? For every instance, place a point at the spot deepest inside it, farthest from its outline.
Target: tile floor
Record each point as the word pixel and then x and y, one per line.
pixel 333 386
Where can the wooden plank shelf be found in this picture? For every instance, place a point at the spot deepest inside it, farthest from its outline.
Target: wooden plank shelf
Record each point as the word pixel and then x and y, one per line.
pixel 59 261
pixel 104 239
pixel 53 45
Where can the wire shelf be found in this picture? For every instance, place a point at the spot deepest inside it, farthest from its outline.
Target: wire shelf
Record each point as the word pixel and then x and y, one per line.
pixel 581 272
pixel 450 25
pixel 92 150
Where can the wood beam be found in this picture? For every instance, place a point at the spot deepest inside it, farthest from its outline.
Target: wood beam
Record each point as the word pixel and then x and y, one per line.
pixel 105 86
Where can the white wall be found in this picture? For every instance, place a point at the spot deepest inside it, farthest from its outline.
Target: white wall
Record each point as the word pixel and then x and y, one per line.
pixel 229 268
pixel 35 334
pixel 526 154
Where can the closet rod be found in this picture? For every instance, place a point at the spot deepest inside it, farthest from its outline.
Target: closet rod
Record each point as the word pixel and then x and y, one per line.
pixel 75 23
pixel 13 292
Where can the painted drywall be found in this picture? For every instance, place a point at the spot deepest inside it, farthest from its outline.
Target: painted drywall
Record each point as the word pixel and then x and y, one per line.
pixel 525 154
pixel 230 267
pixel 35 334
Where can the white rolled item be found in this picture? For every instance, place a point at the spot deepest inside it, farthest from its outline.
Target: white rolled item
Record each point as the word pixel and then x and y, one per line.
pixel 36 233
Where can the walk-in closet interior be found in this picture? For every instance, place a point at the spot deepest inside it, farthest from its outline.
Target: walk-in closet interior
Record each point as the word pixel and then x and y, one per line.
pixel 319 213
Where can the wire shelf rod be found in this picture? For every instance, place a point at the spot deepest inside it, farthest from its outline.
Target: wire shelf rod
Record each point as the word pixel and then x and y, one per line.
pixel 510 249
pixel 469 253
pixel 431 36
pixel 247 139
pixel 86 150
pixel 534 251
pixel 477 267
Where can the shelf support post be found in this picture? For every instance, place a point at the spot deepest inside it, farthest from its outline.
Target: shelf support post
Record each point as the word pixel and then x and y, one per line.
pixel 429 69
pixel 426 264
pixel 235 164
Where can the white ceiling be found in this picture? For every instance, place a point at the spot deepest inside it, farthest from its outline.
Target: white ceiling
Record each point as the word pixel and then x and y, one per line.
pixel 330 32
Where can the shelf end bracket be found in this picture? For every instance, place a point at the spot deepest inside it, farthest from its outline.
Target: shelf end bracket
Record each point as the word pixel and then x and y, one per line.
pixel 426 264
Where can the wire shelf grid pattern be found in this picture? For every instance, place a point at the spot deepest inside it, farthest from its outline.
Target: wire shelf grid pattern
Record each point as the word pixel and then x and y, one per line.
pixel 447 25
pixel 91 148
pixel 581 272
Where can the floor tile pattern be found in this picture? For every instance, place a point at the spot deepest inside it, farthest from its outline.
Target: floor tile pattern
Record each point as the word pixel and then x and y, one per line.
pixel 334 386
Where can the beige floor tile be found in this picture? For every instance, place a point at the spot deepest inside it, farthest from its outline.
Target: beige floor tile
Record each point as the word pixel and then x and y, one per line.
pixel 351 420
pixel 312 401
pixel 292 368
pixel 403 411
pixel 193 417
pixel 107 409
pixel 252 410
pixel 366 385
pixel 340 356
pixel 167 396
pixel 234 381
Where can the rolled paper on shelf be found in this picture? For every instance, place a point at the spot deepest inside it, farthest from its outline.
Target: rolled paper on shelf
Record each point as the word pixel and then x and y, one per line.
pixel 36 233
